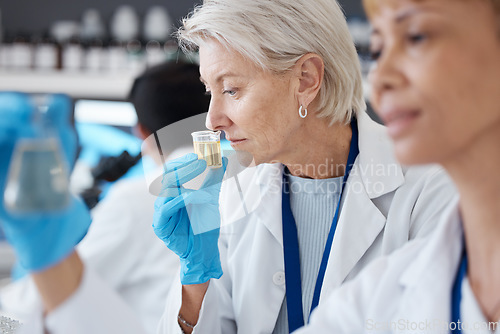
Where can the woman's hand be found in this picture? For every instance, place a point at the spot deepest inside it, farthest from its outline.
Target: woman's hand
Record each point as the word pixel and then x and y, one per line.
pixel 43 241
pixel 188 220
pixel 40 239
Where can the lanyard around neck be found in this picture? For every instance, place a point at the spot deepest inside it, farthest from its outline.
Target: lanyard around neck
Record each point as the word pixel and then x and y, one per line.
pixel 456 296
pixel 291 246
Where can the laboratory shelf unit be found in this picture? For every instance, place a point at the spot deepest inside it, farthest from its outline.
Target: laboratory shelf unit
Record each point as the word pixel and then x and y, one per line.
pixel 96 85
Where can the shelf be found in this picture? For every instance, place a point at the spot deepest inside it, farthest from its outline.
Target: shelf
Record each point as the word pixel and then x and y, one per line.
pixel 105 86
pixel 109 86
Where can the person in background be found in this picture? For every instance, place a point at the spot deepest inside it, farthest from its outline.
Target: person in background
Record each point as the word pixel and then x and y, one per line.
pixel 436 85
pixel 120 245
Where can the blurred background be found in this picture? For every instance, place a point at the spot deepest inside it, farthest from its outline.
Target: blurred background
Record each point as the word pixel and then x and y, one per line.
pixel 30 16
pixel 43 38
pixel 92 50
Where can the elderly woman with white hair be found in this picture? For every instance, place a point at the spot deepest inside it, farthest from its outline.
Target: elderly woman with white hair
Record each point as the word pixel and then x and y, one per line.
pixel 452 285
pixel 286 88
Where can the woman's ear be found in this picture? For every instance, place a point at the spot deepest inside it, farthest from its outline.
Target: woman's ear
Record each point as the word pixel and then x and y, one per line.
pixel 310 71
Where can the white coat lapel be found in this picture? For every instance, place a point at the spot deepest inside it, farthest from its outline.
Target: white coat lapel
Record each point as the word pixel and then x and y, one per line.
pixel 360 223
pixel 270 178
pixel 375 173
pixel 440 258
pixel 251 192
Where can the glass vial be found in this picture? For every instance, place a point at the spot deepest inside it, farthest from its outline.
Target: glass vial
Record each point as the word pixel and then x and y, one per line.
pixel 207 147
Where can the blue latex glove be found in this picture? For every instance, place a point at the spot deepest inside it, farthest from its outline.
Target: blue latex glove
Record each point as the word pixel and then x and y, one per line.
pixel 188 221
pixel 39 239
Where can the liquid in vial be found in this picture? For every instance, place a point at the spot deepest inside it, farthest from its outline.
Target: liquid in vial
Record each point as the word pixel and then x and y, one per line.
pixel 37 178
pixel 210 152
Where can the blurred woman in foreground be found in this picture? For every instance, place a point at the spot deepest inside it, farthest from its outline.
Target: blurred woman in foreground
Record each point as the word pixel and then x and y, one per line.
pixel 436 85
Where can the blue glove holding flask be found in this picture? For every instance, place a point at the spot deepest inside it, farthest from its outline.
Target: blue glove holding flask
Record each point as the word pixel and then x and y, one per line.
pixel 40 239
pixel 188 221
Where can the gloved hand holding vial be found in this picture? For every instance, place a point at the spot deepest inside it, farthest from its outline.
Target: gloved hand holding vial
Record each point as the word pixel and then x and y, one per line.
pixel 188 220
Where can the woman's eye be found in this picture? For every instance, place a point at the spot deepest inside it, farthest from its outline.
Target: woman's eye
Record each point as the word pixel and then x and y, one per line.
pixel 416 38
pixel 230 92
pixel 375 55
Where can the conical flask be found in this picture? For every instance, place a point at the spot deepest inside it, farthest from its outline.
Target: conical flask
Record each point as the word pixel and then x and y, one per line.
pixel 38 175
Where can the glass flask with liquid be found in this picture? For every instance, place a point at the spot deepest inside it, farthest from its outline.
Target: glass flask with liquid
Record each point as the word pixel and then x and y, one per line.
pixel 38 175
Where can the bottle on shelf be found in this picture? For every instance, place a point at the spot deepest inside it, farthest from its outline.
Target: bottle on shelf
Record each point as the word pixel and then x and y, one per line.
pixel 20 56
pixel 125 51
pixel 157 24
pixel 5 52
pixel 45 53
pixel 155 53
pixel 116 57
pixel 66 34
pixel 124 25
pixel 156 32
pixel 92 26
pixel 92 35
pixel 95 56
pixel 136 61
pixel 72 55
pixel 171 49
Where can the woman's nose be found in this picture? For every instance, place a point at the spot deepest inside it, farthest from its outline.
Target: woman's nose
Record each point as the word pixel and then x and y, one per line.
pixel 216 118
pixel 385 75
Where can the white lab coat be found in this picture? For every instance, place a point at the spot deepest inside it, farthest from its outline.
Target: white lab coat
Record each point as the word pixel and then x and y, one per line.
pixel 384 206
pixel 122 249
pixel 407 292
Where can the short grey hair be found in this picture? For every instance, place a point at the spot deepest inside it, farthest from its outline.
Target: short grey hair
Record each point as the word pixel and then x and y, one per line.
pixel 275 34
